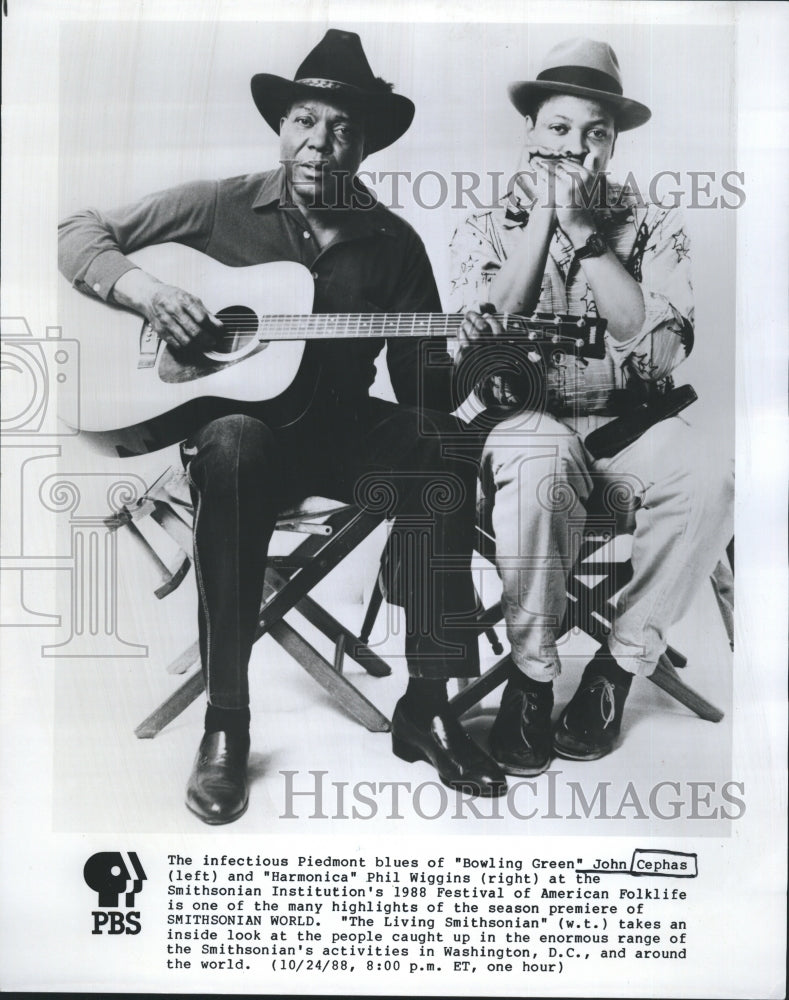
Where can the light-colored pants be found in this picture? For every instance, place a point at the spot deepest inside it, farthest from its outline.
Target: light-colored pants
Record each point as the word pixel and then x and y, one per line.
pixel 673 488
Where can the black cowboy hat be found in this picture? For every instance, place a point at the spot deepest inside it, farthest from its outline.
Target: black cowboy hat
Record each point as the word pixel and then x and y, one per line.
pixel 338 67
pixel 582 67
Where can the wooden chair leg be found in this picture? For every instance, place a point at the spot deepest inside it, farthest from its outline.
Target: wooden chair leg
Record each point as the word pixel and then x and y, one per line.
pixel 172 707
pixel 722 580
pixel 288 582
pixel 675 658
pixel 480 687
pixel 335 631
pixel 324 673
pixel 332 629
pixel 486 618
pixel 666 678
pixel 308 657
pixel 186 660
pixel 376 600
pixel 495 642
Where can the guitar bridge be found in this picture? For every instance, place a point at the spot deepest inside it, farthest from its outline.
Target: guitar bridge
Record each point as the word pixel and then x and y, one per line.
pixel 149 347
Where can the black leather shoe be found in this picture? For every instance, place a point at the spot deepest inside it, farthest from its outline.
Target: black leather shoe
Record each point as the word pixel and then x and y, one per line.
pixel 217 790
pixel 445 744
pixel 521 738
pixel 589 726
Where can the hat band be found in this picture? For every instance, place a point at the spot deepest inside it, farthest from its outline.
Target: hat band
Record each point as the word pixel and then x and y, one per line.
pixel 326 84
pixel 582 76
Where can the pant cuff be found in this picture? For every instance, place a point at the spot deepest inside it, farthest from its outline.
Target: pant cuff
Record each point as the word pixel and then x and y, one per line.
pixel 441 670
pixel 538 670
pixel 640 664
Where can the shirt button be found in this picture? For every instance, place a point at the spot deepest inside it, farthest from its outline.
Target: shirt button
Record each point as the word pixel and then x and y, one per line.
pixel 97 287
pixel 306 234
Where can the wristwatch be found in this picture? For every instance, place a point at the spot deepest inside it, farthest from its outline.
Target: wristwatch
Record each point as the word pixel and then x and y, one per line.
pixel 595 246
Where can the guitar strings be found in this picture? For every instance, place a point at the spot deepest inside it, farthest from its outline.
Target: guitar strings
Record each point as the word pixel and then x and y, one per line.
pixel 380 324
pixel 301 327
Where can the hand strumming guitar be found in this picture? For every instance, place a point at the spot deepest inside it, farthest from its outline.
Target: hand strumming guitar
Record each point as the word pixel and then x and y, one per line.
pixel 176 316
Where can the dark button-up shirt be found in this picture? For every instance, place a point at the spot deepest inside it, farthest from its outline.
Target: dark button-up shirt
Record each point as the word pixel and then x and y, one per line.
pixel 377 264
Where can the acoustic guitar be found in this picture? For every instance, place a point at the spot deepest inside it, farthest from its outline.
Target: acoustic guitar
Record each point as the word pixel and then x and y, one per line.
pixel 137 394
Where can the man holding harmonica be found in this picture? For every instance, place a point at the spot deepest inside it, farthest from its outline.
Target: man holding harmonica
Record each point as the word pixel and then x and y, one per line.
pixel 567 240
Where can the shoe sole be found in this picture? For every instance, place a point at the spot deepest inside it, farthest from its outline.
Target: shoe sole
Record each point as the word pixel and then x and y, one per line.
pixel 519 772
pixel 217 822
pixel 411 754
pixel 522 772
pixel 592 755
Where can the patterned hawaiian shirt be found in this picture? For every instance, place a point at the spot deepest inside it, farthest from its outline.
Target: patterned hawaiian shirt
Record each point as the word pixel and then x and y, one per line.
pixel 652 244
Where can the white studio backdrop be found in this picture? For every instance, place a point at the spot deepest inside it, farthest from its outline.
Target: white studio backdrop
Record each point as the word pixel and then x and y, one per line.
pixel 147 105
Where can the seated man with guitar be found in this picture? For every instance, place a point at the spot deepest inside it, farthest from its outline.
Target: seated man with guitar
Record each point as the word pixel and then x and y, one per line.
pixel 325 434
pixel 568 240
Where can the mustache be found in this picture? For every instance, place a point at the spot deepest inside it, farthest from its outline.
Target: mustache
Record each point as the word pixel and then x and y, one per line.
pixel 558 157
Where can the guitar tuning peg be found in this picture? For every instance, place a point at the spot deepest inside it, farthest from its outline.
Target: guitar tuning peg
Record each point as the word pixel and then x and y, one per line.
pixel 532 334
pixel 557 319
pixel 555 338
pixel 580 343
pixel 581 322
pixel 534 356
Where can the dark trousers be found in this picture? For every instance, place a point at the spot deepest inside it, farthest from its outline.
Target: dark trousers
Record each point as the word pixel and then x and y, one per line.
pixel 388 458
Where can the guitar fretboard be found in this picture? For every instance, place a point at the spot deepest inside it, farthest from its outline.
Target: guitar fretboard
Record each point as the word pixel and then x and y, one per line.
pixel 312 326
pixel 307 327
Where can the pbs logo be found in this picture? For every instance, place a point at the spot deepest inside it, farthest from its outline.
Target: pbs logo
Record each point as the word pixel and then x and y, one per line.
pixel 116 884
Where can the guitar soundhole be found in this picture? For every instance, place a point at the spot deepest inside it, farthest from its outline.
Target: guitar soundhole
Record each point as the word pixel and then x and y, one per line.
pixel 240 330
pixel 236 341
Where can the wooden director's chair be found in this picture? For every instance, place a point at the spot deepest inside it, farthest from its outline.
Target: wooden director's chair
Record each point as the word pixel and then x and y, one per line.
pixel 592 586
pixel 163 520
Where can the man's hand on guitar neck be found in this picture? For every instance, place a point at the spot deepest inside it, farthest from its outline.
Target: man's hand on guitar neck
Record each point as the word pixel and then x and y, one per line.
pixel 476 327
pixel 176 316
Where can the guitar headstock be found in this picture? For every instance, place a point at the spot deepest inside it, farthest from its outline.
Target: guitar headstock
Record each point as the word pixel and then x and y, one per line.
pixel 582 336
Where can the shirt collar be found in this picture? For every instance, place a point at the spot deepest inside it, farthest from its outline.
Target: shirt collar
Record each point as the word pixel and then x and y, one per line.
pixel 272 189
pixel 364 221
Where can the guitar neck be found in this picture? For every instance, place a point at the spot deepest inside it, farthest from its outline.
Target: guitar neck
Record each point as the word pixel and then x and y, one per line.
pixel 351 325
pixel 312 326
